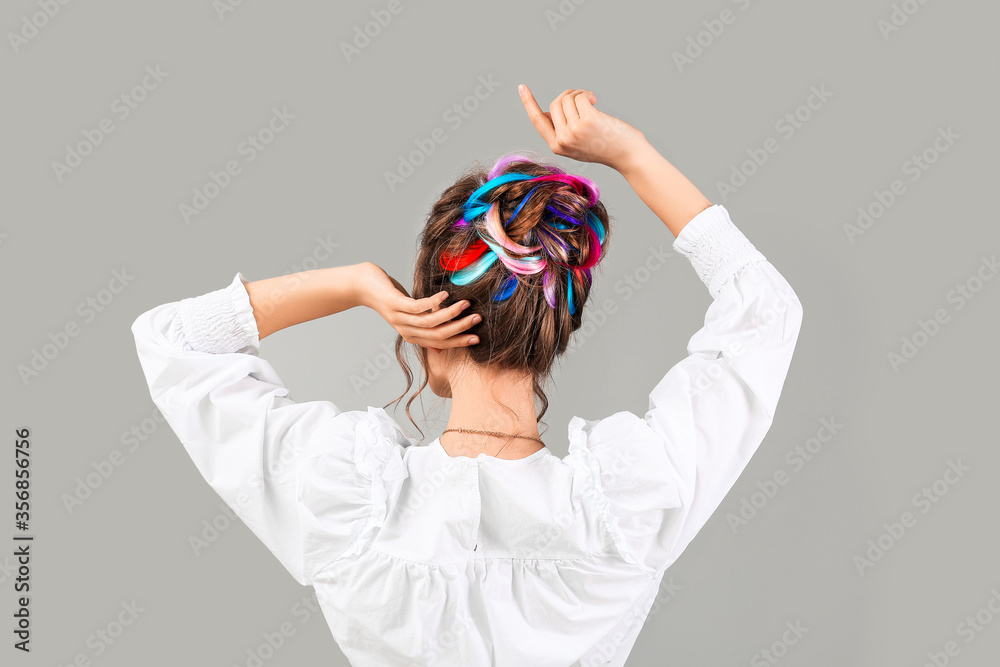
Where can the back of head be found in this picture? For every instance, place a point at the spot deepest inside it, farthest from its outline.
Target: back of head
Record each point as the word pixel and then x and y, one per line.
pixel 520 242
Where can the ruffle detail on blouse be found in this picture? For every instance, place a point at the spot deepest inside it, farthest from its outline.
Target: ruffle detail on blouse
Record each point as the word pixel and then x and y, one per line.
pixel 347 489
pixel 628 477
pixel 379 460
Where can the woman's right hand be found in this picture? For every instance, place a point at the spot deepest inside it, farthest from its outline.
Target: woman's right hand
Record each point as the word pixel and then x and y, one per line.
pixel 575 129
pixel 420 321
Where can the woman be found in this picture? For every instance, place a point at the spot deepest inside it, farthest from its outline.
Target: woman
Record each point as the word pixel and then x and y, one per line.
pixel 482 547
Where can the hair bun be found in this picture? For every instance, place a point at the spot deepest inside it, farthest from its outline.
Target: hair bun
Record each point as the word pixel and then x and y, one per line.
pixel 535 218
pixel 544 206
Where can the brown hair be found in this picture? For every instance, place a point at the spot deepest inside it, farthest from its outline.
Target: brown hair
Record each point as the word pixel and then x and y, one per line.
pixel 522 332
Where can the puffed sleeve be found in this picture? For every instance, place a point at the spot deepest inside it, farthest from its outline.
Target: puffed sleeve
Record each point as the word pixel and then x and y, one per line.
pixel 297 474
pixel 663 476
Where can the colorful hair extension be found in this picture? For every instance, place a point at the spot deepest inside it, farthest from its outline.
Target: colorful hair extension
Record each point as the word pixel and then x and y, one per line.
pixel 452 263
pixel 493 243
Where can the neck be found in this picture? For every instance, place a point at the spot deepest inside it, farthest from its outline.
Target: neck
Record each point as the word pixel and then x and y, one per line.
pixel 491 402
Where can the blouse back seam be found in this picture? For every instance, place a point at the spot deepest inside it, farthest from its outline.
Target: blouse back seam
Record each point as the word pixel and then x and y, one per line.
pixel 589 557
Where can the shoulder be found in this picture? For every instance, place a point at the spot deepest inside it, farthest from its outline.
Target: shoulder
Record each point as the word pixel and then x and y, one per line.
pixel 353 467
pixel 622 443
pixel 379 421
pixel 628 474
pixel 373 423
pixel 369 439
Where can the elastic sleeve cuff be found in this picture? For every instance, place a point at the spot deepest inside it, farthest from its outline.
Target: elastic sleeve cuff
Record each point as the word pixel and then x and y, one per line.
pixel 716 248
pixel 220 321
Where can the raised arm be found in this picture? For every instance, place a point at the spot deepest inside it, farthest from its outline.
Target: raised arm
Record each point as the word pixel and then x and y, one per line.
pixel 237 420
pixel 283 301
pixel 667 192
pixel 711 410
pixel 295 298
pixel 574 128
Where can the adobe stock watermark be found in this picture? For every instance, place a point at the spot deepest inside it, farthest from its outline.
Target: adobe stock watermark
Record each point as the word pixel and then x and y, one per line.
pixel 959 296
pixel 419 495
pixel 364 34
pixel 915 166
pixel 554 533
pixel 88 310
pixel 247 498
pixel 271 642
pixel 373 367
pixel 664 594
pixel 562 12
pixel 635 616
pixel 8 568
pixel 448 638
pixel 627 286
pixel 248 149
pixel 300 273
pixel 121 108
pixel 797 458
pixel 698 43
pixel 761 325
pixel 924 500
pixel 100 471
pixel 224 7
pixel 779 648
pixel 786 125
pixel 968 629
pixel 102 639
pixel 212 529
pixel 898 17
pixel 598 314
pixel 454 116
pixel 548 535
pixel 32 23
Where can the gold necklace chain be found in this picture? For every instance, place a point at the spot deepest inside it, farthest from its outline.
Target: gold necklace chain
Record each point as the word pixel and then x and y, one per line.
pixel 494 433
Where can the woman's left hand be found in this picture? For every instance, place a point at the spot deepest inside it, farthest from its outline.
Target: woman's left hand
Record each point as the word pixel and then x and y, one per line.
pixel 419 321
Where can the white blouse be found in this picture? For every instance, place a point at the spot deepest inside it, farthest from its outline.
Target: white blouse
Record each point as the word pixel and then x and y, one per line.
pixel 420 558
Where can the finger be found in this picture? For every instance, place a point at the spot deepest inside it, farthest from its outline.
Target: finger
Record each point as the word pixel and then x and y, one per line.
pixel 585 104
pixel 408 304
pixel 431 319
pixel 462 340
pixel 558 115
pixel 442 336
pixel 569 109
pixel 542 121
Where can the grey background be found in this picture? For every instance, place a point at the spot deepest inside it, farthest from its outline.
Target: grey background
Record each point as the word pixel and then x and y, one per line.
pixel 323 177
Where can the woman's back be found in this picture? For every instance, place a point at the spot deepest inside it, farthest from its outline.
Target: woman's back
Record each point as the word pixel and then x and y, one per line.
pixel 421 558
pixel 509 561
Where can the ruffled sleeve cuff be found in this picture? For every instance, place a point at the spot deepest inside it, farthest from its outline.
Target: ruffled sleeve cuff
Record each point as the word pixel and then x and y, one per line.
pixel 220 321
pixel 716 248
